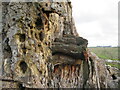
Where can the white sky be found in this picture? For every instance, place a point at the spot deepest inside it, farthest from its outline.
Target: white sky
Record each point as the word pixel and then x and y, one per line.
pixel 97 21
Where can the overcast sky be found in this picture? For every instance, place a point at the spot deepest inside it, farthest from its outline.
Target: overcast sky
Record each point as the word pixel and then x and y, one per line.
pixel 97 21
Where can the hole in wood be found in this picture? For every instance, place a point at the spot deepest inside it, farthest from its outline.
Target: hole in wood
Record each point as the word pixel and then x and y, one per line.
pixel 23 66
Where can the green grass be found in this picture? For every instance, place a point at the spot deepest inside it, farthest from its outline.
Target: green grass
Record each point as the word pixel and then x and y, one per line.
pixel 107 53
pixel 113 65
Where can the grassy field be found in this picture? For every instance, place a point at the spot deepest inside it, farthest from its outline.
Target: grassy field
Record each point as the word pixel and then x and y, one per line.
pixel 107 53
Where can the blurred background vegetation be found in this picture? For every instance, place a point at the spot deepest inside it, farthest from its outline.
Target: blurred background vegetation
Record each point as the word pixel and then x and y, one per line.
pixel 107 53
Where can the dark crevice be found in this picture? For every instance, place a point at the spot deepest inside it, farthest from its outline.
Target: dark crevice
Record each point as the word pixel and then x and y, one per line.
pixel 46 43
pixel 114 77
pixel 86 73
pixel 20 86
pixel 4 33
pixel 46 5
pixel 74 56
pixel 39 14
pixel 23 66
pixel 15 11
pixel 40 72
pixel 36 36
pixel 8 26
pixel 24 50
pixel 39 24
pixel 31 32
pixel 41 36
pixel 13 19
pixel 31 27
pixel 92 65
pixel 18 82
pixel 7 48
pixel 22 37
pixel 64 33
pixel 60 5
pixel 26 19
pixel 39 45
pixel 46 12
